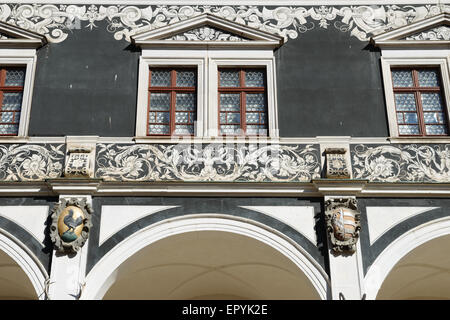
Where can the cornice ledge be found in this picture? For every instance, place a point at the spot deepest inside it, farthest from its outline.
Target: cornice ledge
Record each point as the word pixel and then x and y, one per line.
pixel 73 185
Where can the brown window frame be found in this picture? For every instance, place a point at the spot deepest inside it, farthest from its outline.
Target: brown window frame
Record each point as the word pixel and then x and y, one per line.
pixel 173 90
pixel 418 90
pixel 8 89
pixel 243 91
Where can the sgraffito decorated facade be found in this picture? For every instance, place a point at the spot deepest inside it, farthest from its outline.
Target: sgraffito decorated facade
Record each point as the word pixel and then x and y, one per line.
pixel 225 149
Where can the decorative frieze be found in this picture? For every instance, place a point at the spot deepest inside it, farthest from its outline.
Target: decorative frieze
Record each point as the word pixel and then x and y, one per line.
pixel 31 162
pixel 71 222
pixel 206 33
pixel 398 163
pixel 336 164
pixel 438 33
pixel 213 162
pixel 343 224
pixel 57 21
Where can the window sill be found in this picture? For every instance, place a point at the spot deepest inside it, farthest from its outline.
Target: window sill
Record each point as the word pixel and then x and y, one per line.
pixel 219 139
pixel 439 139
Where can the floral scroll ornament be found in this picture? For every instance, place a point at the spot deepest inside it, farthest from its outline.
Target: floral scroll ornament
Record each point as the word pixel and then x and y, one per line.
pixel 395 163
pixel 71 222
pixel 56 22
pixel 343 224
pixel 215 162
pixel 29 162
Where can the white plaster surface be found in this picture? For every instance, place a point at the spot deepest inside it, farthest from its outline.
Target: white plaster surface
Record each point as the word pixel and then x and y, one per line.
pixel 31 218
pixel 381 219
pixel 301 218
pixel 115 218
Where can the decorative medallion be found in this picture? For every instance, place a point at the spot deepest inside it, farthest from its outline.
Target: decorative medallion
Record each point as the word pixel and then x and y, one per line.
pixel 337 167
pixel 206 33
pixel 343 224
pixel 71 221
pixel 79 163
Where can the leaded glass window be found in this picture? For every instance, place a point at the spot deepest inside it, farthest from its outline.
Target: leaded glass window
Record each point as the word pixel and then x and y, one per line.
pixel 172 108
pixel 419 103
pixel 242 101
pixel 11 93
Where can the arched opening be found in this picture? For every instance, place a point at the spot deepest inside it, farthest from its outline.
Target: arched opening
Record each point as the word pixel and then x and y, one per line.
pixel 423 273
pixel 210 265
pixel 14 283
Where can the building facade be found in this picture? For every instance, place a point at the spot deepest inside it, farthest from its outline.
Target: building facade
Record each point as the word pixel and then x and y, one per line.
pixel 260 149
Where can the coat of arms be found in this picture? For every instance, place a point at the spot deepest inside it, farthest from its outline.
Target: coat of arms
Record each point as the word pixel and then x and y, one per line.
pixel 71 221
pixel 343 224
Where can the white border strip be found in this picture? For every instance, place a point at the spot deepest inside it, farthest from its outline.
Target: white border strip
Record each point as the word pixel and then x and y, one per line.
pixel 313 3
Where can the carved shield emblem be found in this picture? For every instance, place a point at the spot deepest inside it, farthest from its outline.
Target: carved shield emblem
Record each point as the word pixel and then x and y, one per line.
pixel 71 223
pixel 344 223
pixel 342 217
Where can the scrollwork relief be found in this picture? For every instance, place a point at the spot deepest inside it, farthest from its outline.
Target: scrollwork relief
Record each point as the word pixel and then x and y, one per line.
pixel 31 162
pixel 215 162
pixel 57 21
pixel 395 163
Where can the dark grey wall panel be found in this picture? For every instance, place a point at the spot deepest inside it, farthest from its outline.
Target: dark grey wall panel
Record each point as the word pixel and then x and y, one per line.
pixel 329 83
pixel 85 85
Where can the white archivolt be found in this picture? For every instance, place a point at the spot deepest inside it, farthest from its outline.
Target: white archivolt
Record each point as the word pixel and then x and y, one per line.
pixel 401 246
pixel 103 275
pixel 26 260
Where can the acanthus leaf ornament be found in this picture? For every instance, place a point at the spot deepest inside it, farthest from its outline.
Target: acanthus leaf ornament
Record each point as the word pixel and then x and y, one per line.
pixel 71 222
pixel 343 224
pixel 55 22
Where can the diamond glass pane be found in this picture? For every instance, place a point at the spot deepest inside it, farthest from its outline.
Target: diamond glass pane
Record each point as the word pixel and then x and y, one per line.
pixel 263 118
pixel 254 78
pixel 436 129
pixel 252 117
pixel 433 117
pixel 428 78
pixel 255 102
pixel 233 118
pixel 152 117
pixel 186 78
pixel 223 117
pixel 408 130
pixel 159 101
pixel 7 117
pixel 431 101
pixel 230 129
pixel 411 118
pixel 405 102
pixel 160 78
pixel 184 129
pixel 230 102
pixel 162 117
pixel 229 78
pixel 9 129
pixel 400 117
pixel 159 129
pixel 402 78
pixel 186 101
pixel 257 129
pixel 15 77
pixel 12 101
pixel 182 117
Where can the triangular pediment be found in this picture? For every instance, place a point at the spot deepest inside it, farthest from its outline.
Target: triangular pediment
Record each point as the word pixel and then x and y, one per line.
pixel 205 29
pixel 435 29
pixel 13 36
